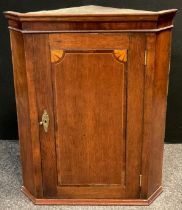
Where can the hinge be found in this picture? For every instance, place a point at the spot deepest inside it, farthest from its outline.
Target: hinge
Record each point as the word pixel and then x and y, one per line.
pixel 145 59
pixel 140 180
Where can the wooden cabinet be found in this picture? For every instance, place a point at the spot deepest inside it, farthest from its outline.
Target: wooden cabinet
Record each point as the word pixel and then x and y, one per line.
pixel 91 87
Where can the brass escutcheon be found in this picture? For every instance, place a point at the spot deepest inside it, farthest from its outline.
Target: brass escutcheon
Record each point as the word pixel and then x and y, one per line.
pixel 45 121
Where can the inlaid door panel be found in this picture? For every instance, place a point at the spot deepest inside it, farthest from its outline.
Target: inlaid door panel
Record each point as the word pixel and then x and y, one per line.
pixel 89 101
pixel 91 126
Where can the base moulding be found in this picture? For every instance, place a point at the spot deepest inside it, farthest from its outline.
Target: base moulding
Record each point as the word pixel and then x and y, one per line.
pixel 104 202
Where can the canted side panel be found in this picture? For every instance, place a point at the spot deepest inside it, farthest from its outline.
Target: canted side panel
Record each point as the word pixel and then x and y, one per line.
pixel 160 89
pixel 23 113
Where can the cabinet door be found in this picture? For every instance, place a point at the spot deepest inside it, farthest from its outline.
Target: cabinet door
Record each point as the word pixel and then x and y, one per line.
pixel 92 148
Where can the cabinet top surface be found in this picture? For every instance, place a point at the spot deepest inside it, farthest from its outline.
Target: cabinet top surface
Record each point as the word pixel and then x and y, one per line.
pixel 89 10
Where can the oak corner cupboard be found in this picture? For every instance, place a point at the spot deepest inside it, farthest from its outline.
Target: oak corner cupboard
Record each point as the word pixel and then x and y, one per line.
pixel 91 87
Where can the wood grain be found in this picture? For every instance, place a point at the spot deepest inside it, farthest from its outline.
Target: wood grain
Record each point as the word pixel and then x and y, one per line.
pixel 20 83
pixel 124 21
pixel 160 90
pixel 98 202
pixel 44 99
pixel 148 111
pixel 29 141
pixel 90 124
pixel 106 105
pixel 135 98
pixel 91 25
pixel 91 41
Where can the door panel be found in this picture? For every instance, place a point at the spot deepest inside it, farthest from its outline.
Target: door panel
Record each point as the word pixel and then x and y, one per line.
pixel 94 138
pixel 89 97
